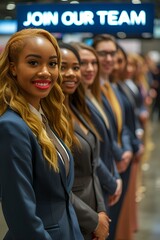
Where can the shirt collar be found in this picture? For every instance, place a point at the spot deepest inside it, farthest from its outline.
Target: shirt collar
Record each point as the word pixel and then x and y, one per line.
pixel 103 81
pixel 36 112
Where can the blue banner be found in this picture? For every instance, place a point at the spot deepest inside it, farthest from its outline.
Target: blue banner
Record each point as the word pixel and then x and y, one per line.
pixel 133 19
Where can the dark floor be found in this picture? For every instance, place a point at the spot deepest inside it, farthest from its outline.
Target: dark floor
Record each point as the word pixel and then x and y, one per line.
pixel 148 197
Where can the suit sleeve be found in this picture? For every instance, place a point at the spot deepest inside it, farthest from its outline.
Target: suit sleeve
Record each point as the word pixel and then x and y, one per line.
pixel 107 180
pixel 116 173
pixel 99 195
pixel 126 143
pixel 16 173
pixel 117 151
pixel 87 217
pixel 134 141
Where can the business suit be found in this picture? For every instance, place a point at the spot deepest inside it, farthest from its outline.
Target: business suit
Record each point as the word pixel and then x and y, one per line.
pixel 138 98
pixel 128 211
pixel 130 117
pixel 118 152
pixel 35 199
pixel 87 199
pixel 106 170
pixel 126 143
pixel 113 128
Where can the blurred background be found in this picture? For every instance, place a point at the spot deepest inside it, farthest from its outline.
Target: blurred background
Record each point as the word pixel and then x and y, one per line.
pixel 148 186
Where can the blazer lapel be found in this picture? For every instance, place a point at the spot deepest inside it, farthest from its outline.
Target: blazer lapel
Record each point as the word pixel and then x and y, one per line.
pixel 82 119
pixel 62 173
pixel 66 180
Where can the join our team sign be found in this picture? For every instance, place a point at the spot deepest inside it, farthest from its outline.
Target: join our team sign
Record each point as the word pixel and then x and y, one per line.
pixel 87 17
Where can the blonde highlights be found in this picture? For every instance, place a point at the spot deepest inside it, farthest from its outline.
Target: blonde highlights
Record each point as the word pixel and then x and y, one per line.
pixel 52 105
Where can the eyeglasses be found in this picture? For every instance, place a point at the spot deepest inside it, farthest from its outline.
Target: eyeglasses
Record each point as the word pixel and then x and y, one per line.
pixel 104 53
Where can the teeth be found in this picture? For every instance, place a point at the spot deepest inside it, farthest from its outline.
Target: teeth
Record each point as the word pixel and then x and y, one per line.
pixel 42 84
pixel 70 83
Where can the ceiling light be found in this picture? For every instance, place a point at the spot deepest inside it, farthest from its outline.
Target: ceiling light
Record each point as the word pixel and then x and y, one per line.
pixel 10 6
pixel 136 1
pixel 72 2
pixel 121 34
pixel 8 18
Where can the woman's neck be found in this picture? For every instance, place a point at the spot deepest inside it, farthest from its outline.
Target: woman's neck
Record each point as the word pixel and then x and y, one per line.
pixel 66 101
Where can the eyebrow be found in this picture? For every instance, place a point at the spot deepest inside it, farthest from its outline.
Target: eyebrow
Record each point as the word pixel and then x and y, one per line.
pixel 75 63
pixel 38 56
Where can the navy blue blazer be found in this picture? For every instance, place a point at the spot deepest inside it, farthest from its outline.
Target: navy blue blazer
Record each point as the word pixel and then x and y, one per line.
pixel 118 151
pixel 107 171
pixel 130 117
pixel 35 199
pixel 126 143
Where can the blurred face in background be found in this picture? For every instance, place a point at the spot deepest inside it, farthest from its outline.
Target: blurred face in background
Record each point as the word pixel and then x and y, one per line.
pixel 131 68
pixel 106 51
pixel 70 71
pixel 89 67
pixel 119 69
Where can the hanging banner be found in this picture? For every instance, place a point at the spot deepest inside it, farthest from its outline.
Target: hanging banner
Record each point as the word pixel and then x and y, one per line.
pixel 133 19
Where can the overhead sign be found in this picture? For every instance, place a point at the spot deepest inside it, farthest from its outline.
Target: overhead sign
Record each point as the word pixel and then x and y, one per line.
pixel 133 19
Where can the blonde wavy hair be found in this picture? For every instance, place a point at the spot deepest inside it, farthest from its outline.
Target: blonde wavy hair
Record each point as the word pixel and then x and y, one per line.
pixel 52 105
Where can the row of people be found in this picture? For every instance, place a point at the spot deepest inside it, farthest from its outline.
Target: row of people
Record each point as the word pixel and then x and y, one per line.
pixel 131 148
pixel 68 104
pixel 36 166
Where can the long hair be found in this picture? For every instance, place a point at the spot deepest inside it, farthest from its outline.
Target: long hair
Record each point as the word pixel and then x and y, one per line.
pixel 52 105
pixel 95 87
pixel 77 99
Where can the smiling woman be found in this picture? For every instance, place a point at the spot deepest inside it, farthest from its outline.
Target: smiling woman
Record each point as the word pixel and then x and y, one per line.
pixel 35 69
pixel 36 165
pixel 87 196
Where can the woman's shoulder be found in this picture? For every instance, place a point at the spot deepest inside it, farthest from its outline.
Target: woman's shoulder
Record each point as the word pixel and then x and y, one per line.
pixel 11 119
pixel 11 116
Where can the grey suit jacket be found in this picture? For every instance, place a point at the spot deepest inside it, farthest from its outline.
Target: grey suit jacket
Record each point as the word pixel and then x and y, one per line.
pixel 87 199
